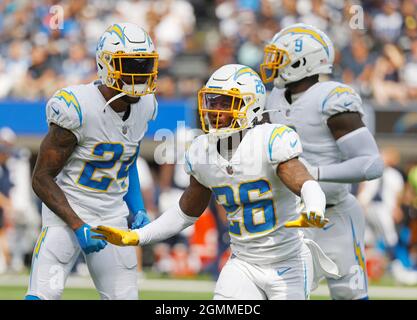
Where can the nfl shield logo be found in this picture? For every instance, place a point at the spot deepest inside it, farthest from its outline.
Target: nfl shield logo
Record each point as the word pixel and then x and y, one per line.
pixel 124 129
pixel 229 170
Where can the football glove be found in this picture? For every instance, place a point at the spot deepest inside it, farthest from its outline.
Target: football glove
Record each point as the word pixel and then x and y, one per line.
pixel 116 236
pixel 87 241
pixel 141 219
pixel 308 220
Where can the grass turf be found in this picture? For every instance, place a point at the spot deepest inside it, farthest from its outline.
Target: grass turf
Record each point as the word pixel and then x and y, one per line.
pixel 18 292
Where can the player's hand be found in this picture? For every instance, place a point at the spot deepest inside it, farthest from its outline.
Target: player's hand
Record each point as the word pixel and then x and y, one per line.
pixel 116 236
pixel 85 237
pixel 141 219
pixel 308 220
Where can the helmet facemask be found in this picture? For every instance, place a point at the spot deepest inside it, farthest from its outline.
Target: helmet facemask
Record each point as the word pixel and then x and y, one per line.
pixel 274 59
pixel 223 112
pixel 131 73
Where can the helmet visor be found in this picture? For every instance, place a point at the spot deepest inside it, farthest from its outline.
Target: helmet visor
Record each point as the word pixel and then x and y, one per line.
pixel 222 109
pixel 132 69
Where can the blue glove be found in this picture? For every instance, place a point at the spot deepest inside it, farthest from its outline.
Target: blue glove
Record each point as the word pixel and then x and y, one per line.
pixel 87 244
pixel 141 219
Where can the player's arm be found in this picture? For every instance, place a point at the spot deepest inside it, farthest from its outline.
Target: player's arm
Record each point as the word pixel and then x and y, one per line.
pixel 296 178
pixel 191 206
pixel 55 149
pixel 54 152
pixel 361 159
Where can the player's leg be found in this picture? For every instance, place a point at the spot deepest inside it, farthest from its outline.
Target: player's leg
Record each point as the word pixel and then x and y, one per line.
pixel 291 279
pixel 343 242
pixel 53 258
pixel 114 272
pixel 237 281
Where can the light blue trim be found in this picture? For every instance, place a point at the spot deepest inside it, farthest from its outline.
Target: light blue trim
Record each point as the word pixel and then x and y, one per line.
pixel 331 94
pixel 187 161
pixel 32 297
pixel 354 252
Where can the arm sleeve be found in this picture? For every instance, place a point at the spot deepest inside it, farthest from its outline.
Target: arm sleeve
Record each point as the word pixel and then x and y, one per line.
pixel 133 197
pixel 283 145
pixel 363 159
pixel 170 223
pixel 64 110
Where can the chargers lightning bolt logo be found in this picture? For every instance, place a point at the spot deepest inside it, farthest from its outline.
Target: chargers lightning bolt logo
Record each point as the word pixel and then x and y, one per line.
pixel 70 100
pixel 116 29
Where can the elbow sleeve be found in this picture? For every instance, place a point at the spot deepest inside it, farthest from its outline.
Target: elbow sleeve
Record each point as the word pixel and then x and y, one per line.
pixel 363 161
pixel 375 168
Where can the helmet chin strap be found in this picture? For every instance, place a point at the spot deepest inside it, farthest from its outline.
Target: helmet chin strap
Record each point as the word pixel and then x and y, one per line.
pixel 117 96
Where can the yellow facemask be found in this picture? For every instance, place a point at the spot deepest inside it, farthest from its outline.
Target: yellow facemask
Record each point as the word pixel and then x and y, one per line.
pixel 133 69
pixel 214 103
pixel 274 59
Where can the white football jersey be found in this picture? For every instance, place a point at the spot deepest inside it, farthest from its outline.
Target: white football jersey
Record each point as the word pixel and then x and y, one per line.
pixel 95 177
pixel 256 201
pixel 308 116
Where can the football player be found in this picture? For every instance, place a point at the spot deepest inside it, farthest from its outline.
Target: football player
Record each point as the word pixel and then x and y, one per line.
pixel 338 148
pixel 86 172
pixel 254 172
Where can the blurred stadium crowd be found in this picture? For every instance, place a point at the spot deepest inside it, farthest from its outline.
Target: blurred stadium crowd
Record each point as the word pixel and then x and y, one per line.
pixel 377 57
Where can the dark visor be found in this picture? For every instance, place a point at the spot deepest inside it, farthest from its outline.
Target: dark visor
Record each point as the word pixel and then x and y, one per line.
pixel 137 65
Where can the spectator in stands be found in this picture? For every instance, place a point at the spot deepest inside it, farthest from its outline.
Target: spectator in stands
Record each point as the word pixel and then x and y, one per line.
pixel 381 200
pixel 41 79
pixel 410 72
pixel 5 207
pixel 288 13
pixel 250 52
pixel 387 23
pixel 78 68
pixel 386 82
pixel 357 64
pixel 24 218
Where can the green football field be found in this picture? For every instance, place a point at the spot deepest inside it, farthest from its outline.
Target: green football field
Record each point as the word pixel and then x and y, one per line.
pixel 18 292
pixel 157 287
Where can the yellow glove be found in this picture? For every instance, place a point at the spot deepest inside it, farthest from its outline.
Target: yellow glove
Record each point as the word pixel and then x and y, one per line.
pixel 314 221
pixel 116 236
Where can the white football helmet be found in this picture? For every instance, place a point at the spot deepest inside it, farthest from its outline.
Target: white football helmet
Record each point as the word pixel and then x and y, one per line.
pixel 127 60
pixel 297 52
pixel 234 91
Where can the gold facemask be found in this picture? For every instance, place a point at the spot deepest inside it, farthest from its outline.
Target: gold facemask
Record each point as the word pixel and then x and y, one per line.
pixel 133 69
pixel 274 59
pixel 213 103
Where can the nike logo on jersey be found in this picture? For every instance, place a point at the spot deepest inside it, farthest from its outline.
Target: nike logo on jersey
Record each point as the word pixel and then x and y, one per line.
pixel 347 104
pixel 328 227
pixel 55 111
pixel 293 143
pixel 281 271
